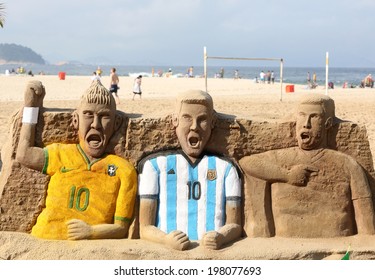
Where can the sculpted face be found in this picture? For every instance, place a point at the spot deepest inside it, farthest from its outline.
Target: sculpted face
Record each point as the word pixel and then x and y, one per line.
pixel 96 124
pixel 194 128
pixel 310 127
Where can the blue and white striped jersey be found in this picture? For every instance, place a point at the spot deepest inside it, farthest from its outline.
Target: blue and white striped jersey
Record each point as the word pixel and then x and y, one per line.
pixel 191 197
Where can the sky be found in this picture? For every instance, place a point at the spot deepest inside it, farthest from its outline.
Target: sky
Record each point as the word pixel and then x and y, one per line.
pixel 174 32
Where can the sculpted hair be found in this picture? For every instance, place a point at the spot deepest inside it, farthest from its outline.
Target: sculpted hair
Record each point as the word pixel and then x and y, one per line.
pixel 327 103
pixel 194 97
pixel 98 94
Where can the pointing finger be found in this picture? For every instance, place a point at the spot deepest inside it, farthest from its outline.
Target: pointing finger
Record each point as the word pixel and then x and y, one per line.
pixel 311 168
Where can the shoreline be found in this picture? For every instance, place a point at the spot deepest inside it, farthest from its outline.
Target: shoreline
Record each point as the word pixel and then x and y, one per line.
pixel 293 75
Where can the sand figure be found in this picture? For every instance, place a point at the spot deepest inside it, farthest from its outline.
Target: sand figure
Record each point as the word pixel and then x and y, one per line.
pixel 90 194
pixel 189 194
pixel 315 191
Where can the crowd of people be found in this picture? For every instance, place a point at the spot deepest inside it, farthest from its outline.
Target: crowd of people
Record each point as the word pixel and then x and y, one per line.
pixel 114 83
pixel 264 78
pixel 20 71
pixel 368 81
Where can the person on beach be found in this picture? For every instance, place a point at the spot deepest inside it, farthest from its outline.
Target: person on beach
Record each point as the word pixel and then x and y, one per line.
pixel 91 194
pixel 221 73
pixel 262 76
pixel 268 76
pixel 113 87
pixel 137 87
pixel 367 81
pixel 169 73
pixel 190 194
pixel 190 72
pixel 236 74
pixel 312 179
pixel 95 77
pixel 99 71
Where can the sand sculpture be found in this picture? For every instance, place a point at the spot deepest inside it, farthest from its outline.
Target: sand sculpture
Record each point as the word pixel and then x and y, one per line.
pixel 315 191
pixel 189 194
pixel 90 194
pixel 23 190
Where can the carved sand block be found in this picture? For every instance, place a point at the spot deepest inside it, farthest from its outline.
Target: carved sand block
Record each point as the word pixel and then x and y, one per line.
pixel 189 194
pixel 90 194
pixel 311 190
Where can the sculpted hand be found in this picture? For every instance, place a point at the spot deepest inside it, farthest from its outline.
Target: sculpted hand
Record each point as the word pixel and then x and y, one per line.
pixel 299 174
pixel 177 240
pixel 34 94
pixel 78 229
pixel 212 240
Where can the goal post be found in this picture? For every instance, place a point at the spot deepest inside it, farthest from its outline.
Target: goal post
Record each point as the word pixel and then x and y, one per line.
pixel 205 57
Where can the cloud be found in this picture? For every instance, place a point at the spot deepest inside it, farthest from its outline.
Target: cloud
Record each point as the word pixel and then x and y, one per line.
pixel 175 31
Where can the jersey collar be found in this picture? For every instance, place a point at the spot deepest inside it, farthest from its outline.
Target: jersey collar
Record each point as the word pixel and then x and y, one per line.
pixel 86 158
pixel 192 164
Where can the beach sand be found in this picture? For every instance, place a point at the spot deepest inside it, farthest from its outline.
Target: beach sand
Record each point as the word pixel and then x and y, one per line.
pixel 240 98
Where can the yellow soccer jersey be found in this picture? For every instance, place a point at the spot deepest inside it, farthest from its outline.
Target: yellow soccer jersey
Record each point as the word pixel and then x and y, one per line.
pixel 97 192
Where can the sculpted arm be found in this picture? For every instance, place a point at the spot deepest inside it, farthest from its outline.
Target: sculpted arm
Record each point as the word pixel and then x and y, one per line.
pixel 263 167
pixel 231 231
pixel 362 201
pixel 27 154
pixel 148 190
pixel 271 168
pixel 147 216
pixel 78 229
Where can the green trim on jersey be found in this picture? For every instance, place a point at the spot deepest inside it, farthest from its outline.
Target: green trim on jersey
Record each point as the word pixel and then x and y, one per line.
pixel 86 158
pixel 46 159
pixel 122 219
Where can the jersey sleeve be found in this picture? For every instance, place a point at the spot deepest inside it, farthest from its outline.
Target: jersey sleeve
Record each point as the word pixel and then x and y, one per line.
pixel 127 194
pixel 232 184
pixel 149 181
pixel 52 160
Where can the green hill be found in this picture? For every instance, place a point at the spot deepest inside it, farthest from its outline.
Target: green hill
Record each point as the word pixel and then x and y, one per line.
pixel 12 53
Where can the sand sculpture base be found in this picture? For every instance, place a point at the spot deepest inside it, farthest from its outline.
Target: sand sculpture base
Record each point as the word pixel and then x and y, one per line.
pixel 22 246
pixel 23 190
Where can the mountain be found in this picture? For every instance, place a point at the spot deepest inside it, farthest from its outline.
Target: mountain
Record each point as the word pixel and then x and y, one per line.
pixel 15 54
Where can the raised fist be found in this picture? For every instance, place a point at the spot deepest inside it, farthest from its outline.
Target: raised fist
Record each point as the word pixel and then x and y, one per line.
pixel 34 94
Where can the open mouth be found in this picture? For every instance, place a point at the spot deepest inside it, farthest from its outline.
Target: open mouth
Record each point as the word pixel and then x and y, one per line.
pixel 193 142
pixel 94 140
pixel 305 137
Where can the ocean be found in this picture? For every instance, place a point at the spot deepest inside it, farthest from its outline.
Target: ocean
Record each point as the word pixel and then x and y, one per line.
pixel 294 75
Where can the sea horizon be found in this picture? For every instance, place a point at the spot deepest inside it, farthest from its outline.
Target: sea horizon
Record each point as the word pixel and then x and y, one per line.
pixel 295 75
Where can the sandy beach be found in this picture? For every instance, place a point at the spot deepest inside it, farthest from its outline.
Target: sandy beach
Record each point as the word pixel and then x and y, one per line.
pixel 240 98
